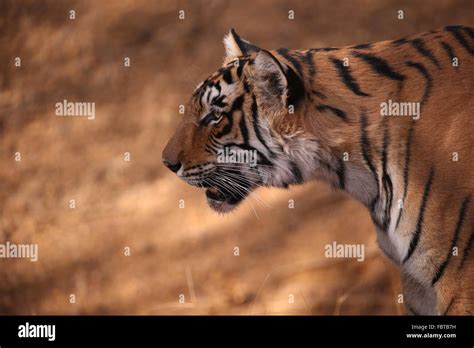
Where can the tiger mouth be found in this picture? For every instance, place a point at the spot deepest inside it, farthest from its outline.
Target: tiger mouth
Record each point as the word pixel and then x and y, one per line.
pixel 222 200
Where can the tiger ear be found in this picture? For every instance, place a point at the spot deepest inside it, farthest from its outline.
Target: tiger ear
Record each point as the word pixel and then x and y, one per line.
pixel 270 82
pixel 235 46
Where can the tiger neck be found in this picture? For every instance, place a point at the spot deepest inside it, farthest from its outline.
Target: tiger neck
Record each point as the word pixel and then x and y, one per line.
pixel 337 139
pixel 346 137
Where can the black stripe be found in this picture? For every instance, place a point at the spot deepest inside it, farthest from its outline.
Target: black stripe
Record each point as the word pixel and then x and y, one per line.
pixel 367 155
pixel 325 49
pixel 218 86
pixel 339 170
pixel 243 129
pixel 365 146
pixel 457 230
pixel 406 171
pixel 209 149
pixel 246 86
pixel 380 66
pixel 362 46
pixel 219 101
pixel 256 126
pixel 202 90
pixel 456 32
pixel 469 31
pixel 450 304
pixel 467 249
pixel 338 112
pixel 200 100
pixel 420 47
pixel 240 68
pixel 449 51
pixel 345 74
pixel 419 224
pixel 213 142
pixel 386 180
pixel 429 81
pixel 308 59
pixel 227 76
pixel 296 64
pixel 341 174
pixel 209 89
pixel 297 176
pixel 400 42
pixel 236 105
pixel 296 89
pixel 206 120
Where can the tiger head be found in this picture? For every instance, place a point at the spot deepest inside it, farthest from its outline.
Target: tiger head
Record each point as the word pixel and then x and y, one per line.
pixel 234 136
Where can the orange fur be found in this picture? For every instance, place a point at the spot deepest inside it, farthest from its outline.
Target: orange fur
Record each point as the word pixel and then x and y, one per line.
pixel 420 70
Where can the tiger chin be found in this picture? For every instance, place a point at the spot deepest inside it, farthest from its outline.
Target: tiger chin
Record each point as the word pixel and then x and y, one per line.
pixel 390 123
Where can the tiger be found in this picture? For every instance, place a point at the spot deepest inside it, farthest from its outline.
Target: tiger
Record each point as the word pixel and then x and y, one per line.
pixel 389 123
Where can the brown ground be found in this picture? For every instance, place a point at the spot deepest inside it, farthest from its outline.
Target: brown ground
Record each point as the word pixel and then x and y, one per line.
pixel 135 204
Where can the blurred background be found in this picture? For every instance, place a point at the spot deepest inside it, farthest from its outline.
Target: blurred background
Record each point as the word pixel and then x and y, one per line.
pixel 181 260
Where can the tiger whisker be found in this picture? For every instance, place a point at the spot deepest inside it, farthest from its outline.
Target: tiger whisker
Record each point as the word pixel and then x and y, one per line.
pixel 232 190
pixel 244 180
pixel 246 190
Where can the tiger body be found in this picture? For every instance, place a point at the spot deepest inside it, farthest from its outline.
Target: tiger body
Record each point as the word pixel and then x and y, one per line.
pixel 317 114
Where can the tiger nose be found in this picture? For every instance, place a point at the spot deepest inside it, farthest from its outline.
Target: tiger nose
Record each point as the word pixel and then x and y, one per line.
pixel 174 167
